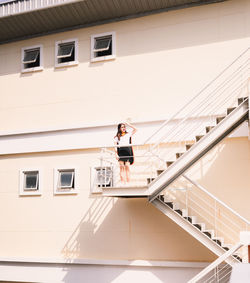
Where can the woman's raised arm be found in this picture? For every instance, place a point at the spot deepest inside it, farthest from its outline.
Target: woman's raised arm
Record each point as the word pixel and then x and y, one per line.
pixel 131 126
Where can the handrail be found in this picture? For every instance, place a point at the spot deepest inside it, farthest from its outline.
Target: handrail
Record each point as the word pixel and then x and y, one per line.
pixel 218 261
pixel 212 214
pixel 215 198
pixel 201 91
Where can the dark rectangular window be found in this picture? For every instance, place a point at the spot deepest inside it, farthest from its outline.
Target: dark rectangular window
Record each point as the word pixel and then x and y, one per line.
pixel 31 179
pixel 66 52
pixel 66 179
pixel 103 46
pixel 31 58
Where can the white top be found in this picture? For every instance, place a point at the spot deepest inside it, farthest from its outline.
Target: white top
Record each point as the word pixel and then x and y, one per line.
pixel 124 140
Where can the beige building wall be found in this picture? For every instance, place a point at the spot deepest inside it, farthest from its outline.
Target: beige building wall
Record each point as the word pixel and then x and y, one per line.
pixel 85 226
pixel 225 171
pixel 162 61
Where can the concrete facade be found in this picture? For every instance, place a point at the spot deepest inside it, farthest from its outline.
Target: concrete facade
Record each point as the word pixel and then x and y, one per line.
pixel 161 62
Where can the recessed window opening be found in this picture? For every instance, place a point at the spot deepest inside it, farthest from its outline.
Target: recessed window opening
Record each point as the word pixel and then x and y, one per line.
pixel 66 179
pixel 66 52
pixel 31 58
pixel 103 46
pixel 31 181
pixel 104 177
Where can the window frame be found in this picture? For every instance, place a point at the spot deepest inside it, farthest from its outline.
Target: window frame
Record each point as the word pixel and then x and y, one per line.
pixel 70 63
pixel 93 50
pixel 65 190
pixel 32 69
pixel 32 192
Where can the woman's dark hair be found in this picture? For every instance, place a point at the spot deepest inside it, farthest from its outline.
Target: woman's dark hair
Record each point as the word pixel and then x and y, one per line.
pixel 119 132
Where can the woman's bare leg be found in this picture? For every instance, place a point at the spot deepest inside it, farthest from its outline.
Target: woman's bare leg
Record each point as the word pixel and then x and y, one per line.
pixel 122 172
pixel 127 170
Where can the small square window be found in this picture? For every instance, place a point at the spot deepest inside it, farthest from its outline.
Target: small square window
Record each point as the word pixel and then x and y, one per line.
pixel 65 181
pixel 66 53
pixel 32 59
pixel 103 46
pixel 30 182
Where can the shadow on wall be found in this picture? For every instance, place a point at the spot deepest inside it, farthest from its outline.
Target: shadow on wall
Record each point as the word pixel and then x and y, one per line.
pixel 223 172
pixel 127 229
pixel 119 229
pixel 82 242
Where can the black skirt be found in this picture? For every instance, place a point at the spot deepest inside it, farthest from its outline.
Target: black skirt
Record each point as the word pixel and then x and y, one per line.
pixel 126 154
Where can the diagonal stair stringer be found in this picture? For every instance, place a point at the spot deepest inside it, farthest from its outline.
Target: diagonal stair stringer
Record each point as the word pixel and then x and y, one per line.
pixel 192 230
pixel 220 131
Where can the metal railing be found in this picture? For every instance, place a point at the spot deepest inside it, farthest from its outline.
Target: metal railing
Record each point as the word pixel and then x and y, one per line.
pixel 216 219
pixel 106 172
pixel 191 120
pixel 211 100
pixel 218 271
pixel 221 222
pixel 201 111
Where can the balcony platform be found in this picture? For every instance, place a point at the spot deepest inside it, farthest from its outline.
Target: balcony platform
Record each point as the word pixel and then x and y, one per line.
pixel 128 191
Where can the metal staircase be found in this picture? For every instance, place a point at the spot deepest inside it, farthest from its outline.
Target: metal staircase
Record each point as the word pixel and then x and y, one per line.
pixel 178 144
pixel 204 143
pixel 196 229
pixel 208 222
pixel 179 205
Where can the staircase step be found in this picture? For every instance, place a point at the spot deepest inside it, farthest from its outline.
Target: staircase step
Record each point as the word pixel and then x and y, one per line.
pixel 219 119
pixel 200 226
pixel 174 205
pixel 159 172
pixel 218 241
pixel 238 257
pixel 149 180
pixel 229 110
pixel 178 211
pixel 209 128
pixel 209 233
pixel 193 219
pixel 170 204
pixel 179 154
pixel 197 138
pixel 169 163
pixel 184 212
pixel 188 146
pixel 241 99
pixel 188 218
pixel 227 247
pixel 161 197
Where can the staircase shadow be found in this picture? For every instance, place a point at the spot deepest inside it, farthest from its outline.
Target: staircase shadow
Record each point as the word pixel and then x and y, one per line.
pixel 114 232
pixel 221 171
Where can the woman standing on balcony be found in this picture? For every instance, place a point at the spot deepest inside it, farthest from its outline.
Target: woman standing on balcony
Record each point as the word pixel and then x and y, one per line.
pixel 124 154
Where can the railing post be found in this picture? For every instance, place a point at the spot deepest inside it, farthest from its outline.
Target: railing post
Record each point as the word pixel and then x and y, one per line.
pixel 214 264
pixel 248 93
pixel 249 254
